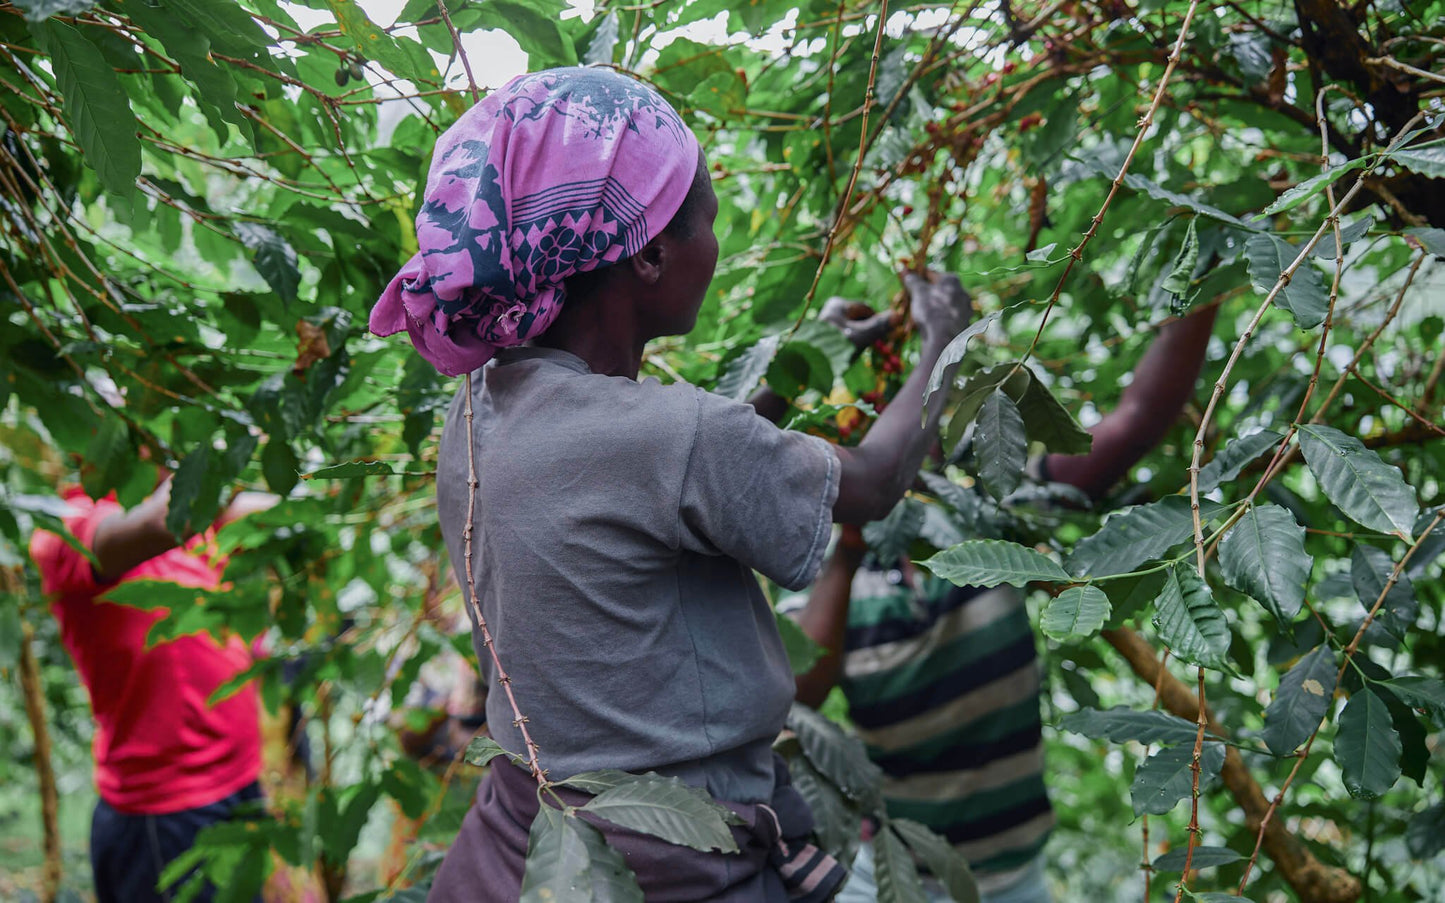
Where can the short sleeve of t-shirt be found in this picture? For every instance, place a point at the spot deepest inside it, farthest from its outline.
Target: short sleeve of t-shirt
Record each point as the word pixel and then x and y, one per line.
pixel 63 569
pixel 756 493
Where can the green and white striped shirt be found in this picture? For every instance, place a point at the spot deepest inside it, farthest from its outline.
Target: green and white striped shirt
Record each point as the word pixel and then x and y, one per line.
pixel 943 685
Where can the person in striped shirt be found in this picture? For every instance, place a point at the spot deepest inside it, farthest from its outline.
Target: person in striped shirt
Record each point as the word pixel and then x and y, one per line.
pixel 943 682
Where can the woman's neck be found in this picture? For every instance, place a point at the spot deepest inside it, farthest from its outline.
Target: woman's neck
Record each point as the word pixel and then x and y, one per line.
pixel 610 345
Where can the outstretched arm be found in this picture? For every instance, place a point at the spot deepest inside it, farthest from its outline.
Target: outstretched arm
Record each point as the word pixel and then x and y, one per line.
pixel 1163 380
pixel 127 538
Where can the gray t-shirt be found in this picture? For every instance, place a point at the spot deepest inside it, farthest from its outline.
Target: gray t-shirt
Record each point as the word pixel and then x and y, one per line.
pixel 617 527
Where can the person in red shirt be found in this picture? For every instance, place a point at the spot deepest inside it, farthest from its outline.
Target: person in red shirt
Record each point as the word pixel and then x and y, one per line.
pixel 167 763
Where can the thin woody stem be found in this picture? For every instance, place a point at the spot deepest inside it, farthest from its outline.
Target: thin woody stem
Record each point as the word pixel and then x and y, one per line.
pixel 1223 381
pixel 1331 222
pixel 868 100
pixel 1285 453
pixel 461 52
pixel 1147 866
pixel 1077 252
pixel 518 719
pixel 1201 724
pixel 1281 451
pixel 1369 341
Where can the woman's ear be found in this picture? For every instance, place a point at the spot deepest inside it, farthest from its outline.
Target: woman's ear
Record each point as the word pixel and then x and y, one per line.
pixel 648 263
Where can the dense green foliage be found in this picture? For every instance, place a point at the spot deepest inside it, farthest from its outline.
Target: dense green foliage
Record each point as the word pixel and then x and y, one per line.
pixel 202 198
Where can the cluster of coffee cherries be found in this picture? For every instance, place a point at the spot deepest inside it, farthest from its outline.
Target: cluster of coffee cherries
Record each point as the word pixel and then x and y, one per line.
pixel 887 358
pixel 876 399
pixel 350 70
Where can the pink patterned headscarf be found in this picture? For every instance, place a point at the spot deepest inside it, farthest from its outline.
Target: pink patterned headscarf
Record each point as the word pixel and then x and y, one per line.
pixel 557 173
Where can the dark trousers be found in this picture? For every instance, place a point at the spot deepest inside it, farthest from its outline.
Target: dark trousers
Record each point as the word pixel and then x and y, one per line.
pixel 129 852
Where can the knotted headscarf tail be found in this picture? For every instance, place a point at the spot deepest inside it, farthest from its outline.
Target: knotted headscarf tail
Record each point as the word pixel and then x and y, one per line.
pixel 557 173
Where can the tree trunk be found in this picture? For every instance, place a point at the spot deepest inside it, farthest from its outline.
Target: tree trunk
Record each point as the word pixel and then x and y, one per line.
pixel 44 771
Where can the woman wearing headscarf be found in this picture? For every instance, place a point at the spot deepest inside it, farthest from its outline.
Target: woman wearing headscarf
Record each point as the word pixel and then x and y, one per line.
pixel 617 523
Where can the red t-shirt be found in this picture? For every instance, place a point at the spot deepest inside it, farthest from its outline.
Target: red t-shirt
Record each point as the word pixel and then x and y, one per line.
pixel 158 746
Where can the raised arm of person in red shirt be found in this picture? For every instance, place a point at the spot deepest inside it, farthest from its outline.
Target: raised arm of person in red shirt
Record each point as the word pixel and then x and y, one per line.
pixel 125 539
pixel 1162 381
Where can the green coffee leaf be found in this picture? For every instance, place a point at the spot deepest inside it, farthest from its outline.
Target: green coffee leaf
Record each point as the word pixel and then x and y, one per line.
pixel 1135 535
pixel 894 870
pixel 96 107
pixel 216 86
pixel 1350 232
pixel 402 56
pixel 1181 274
pixel 536 26
pixel 108 458
pixel 1264 557
pixel 192 507
pixel 744 372
pixel 567 859
pixel 1369 491
pixel 1313 186
pixel 939 529
pixel 839 757
pixel 483 750
pixel 664 808
pixel 603 43
pixel 803 651
pixel 1189 621
pixel 828 340
pixel 945 863
pixel 1426 159
pixel 1425 693
pixel 1305 296
pixel 1425 834
pixel 278 466
pixel 1367 747
pixel 1049 423
pixel 1431 239
pixel 798 367
pixel 1304 697
pixel 1133 277
pixel 273 257
pixel 1167 777
pixel 1370 570
pixel 836 822
pixel 890 537
pixel 1204 857
pixel 1000 445
pixel 351 470
pixel 228 26
pixel 154 594
pixel 948 361
pixel 1227 465
pixel 1012 378
pixel 1077 611
pixel 1121 724
pixel 1159 192
pixel 340 831
pixel 1130 595
pixel 990 562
